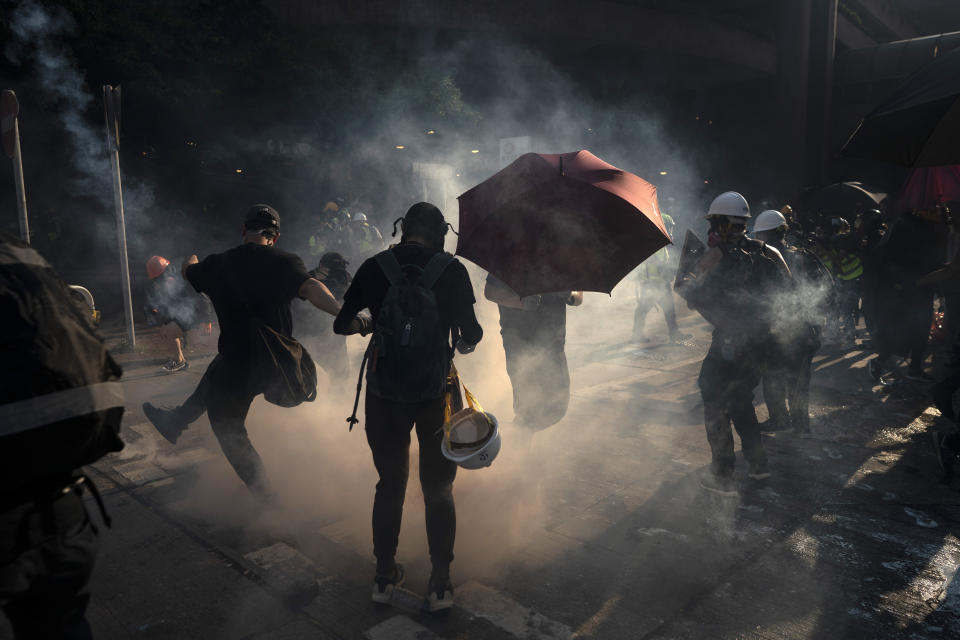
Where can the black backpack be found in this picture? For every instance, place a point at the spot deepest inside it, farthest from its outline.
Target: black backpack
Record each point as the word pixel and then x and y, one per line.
pixel 410 354
pixel 60 399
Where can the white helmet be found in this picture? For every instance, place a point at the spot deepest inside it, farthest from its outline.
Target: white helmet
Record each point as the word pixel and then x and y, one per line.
pixel 730 204
pixel 359 217
pixel 769 220
pixel 473 439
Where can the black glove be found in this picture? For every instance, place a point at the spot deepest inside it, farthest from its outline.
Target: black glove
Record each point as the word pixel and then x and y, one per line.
pixel 464 348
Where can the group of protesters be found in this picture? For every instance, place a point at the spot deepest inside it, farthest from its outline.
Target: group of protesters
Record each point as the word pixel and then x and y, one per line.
pixel 768 298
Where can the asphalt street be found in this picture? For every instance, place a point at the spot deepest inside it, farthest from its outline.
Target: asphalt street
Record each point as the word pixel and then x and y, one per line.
pixel 594 528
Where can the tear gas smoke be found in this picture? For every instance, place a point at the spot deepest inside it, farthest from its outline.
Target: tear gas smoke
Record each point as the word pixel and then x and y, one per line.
pixel 38 32
pixel 324 475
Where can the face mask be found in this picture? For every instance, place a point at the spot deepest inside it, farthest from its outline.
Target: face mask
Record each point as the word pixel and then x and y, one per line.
pixel 722 230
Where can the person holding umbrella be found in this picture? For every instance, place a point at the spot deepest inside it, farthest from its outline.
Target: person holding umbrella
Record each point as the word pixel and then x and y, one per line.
pixel 904 308
pixel 732 286
pixel 534 331
pixel 547 227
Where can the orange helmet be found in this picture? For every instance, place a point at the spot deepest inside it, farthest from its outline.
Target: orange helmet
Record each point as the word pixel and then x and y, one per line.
pixel 156 266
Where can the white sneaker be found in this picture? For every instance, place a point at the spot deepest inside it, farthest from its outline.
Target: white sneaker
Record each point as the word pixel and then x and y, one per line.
pixel 384 586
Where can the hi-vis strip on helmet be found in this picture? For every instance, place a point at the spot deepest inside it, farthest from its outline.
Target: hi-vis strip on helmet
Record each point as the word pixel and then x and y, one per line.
pixel 730 204
pixel 471 436
pixel 769 220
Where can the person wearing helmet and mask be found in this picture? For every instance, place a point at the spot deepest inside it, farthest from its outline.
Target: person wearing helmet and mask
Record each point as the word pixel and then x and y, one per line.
pixel 796 326
pixel 365 239
pixel 409 362
pixel 732 286
pixel 175 309
pixel 654 276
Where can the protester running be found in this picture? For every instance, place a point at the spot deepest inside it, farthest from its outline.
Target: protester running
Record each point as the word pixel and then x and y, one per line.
pixel 252 282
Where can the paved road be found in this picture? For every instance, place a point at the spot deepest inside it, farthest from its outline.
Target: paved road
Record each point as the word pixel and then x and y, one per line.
pixel 595 528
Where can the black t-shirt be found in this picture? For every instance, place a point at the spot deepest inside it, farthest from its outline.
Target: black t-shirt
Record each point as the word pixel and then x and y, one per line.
pixel 453 291
pixel 251 280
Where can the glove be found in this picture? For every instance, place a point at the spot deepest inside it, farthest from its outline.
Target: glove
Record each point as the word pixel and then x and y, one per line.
pixel 464 348
pixel 366 323
pixel 530 303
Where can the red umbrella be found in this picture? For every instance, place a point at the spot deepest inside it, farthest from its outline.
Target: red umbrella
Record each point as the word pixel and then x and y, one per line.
pixel 560 222
pixel 929 186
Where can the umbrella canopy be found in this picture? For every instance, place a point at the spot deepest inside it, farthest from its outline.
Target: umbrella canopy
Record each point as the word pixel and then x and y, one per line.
pixel 839 199
pixel 560 222
pixel 919 125
pixel 927 187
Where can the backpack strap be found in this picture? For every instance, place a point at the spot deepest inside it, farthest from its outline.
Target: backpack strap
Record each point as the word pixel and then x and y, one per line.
pixel 390 267
pixel 434 269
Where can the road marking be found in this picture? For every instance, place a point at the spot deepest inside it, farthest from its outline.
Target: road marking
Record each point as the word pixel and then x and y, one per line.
pixel 399 628
pixel 507 614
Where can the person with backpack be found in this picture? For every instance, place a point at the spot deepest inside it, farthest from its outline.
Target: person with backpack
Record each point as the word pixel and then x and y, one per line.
pixel 421 298
pixel 61 405
pixel 251 287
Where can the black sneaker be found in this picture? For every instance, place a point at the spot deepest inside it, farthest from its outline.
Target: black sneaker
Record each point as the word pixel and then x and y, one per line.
pixel 679 336
pixel 943 400
pixel 941 449
pixel 384 584
pixel 166 421
pixel 172 366
pixel 721 485
pixel 439 592
pixel 873 368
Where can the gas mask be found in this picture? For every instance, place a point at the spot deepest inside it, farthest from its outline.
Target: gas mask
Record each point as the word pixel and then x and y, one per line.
pixel 723 230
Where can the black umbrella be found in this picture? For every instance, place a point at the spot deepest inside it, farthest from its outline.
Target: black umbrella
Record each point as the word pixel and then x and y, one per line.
pixel 919 125
pixel 840 199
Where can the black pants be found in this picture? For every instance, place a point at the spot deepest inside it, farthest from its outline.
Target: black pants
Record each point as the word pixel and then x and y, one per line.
pixel 47 553
pixel 654 294
pixel 726 386
pixel 225 393
pixel 540 379
pixel 388 433
pixel 786 378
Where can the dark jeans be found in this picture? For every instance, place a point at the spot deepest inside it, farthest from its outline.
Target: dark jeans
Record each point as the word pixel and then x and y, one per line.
pixel 726 386
pixel 225 394
pixel 47 552
pixel 388 434
pixel 654 294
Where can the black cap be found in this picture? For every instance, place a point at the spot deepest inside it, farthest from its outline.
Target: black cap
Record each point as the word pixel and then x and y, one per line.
pixel 262 216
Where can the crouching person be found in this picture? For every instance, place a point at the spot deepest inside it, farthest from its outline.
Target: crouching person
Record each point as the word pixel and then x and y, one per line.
pixel 420 297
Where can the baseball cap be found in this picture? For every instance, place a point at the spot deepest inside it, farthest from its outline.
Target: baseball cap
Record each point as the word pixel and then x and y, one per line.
pixel 262 216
